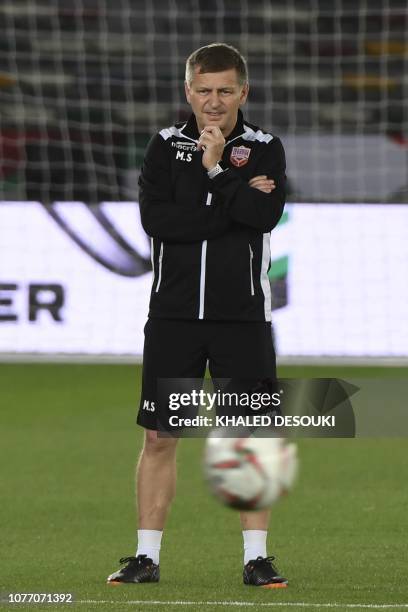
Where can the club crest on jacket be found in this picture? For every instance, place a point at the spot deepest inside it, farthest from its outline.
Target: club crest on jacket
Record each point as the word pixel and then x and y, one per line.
pixel 239 156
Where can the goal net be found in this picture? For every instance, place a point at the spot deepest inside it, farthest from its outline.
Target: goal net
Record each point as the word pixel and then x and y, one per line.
pixel 84 84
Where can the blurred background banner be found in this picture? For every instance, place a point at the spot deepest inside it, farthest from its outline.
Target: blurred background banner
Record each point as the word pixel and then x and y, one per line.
pixel 85 84
pixel 77 279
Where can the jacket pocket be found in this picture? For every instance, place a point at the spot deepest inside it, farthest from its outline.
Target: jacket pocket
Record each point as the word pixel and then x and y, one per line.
pixel 251 271
pixel 159 276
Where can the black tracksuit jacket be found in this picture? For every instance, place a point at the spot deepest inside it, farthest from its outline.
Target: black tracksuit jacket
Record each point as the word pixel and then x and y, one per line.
pixel 210 237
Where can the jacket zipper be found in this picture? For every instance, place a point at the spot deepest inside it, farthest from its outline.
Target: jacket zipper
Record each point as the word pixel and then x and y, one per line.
pixel 203 268
pixel 160 267
pixel 251 272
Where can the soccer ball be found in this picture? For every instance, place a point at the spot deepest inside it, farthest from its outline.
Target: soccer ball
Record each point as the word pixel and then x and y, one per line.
pixel 249 473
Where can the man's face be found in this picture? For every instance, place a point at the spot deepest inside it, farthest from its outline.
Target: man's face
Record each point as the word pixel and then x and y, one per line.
pixel 215 98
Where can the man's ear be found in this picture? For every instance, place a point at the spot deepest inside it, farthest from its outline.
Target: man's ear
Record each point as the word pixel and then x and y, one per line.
pixel 187 91
pixel 244 94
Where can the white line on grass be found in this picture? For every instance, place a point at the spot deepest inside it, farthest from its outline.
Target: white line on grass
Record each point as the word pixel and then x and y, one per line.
pixel 244 603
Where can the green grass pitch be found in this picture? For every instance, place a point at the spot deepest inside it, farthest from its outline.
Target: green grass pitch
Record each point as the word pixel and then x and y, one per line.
pixel 68 446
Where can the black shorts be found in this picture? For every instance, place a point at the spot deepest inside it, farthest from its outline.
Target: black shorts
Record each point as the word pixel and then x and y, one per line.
pixel 180 349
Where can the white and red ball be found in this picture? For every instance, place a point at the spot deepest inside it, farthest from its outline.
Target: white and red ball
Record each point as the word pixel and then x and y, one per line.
pixel 249 473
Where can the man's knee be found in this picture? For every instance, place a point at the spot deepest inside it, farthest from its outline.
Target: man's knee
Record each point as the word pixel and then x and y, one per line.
pixel 156 445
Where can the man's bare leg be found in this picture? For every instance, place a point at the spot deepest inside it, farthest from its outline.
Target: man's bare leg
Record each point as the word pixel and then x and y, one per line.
pixel 255 520
pixel 156 480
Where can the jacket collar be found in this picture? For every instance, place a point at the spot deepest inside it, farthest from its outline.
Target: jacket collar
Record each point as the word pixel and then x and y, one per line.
pixel 191 130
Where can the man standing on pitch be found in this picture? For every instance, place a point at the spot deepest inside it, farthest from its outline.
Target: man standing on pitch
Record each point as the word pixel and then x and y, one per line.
pixel 211 191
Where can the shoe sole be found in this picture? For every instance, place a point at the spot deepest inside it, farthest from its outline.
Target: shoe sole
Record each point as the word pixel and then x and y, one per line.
pixel 120 582
pixel 271 585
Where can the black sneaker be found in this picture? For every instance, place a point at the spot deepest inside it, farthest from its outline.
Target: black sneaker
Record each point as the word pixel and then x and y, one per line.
pixel 138 569
pixel 261 572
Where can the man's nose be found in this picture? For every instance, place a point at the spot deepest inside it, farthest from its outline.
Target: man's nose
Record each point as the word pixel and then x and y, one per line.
pixel 214 99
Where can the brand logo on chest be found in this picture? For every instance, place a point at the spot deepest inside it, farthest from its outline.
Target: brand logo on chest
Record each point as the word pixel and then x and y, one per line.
pixel 184 150
pixel 239 156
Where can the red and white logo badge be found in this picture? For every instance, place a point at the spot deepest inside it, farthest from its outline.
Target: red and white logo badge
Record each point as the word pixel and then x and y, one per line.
pixel 239 156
